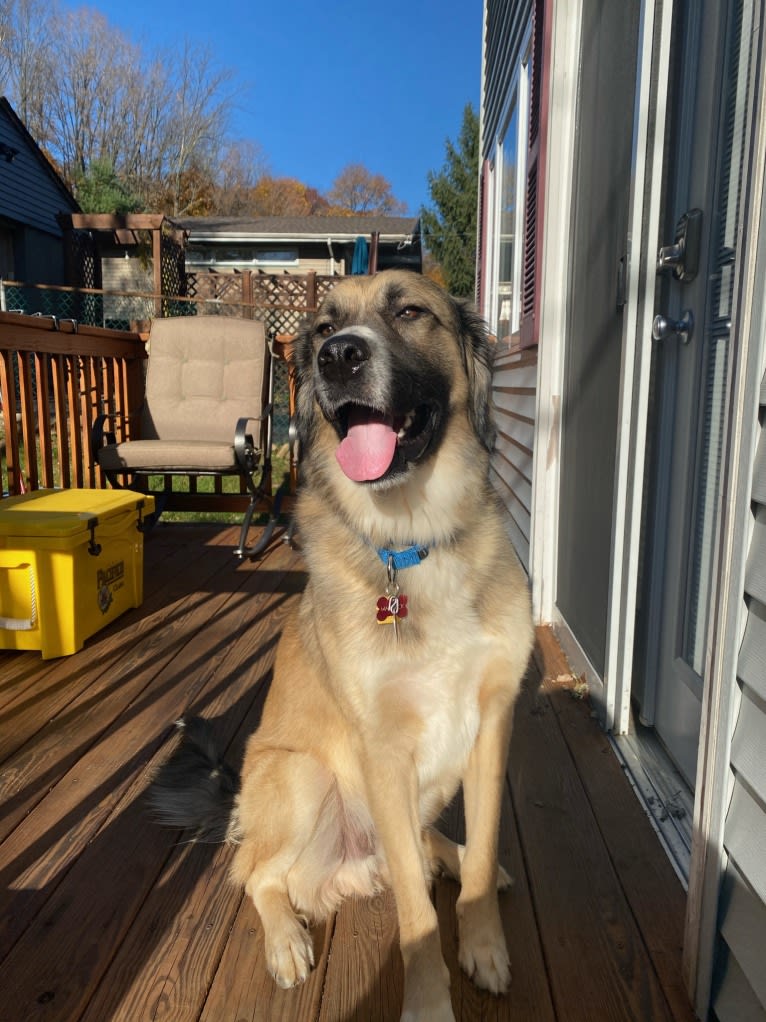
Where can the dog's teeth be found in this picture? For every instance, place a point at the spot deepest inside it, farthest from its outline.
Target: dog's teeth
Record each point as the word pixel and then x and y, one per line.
pixel 405 425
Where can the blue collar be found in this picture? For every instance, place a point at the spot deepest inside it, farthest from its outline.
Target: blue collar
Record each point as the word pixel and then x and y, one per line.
pixel 399 559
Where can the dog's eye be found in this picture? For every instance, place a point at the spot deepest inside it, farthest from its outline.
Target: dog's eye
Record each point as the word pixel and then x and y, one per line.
pixel 325 329
pixel 411 312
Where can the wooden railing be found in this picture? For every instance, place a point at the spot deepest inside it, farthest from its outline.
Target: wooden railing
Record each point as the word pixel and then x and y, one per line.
pixel 55 377
pixel 281 301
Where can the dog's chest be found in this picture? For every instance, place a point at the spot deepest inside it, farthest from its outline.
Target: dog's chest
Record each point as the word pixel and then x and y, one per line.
pixel 431 676
pixel 417 679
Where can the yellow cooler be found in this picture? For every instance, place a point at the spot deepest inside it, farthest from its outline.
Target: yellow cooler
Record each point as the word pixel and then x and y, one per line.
pixel 71 561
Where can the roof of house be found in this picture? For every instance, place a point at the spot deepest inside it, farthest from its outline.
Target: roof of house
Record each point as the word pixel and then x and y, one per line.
pixel 297 228
pixel 37 154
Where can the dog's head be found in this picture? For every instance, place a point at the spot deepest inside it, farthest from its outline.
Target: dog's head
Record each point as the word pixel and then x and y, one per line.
pixel 385 369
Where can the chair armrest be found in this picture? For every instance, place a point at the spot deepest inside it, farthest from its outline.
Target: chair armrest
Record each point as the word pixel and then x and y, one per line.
pixel 244 445
pixel 99 436
pixel 292 440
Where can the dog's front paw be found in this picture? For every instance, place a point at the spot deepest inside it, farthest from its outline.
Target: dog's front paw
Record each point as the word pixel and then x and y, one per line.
pixel 482 952
pixel 487 964
pixel 434 1010
pixel 426 992
pixel 290 954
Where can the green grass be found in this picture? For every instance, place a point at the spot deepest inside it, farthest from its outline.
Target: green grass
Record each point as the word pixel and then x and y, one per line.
pixel 280 467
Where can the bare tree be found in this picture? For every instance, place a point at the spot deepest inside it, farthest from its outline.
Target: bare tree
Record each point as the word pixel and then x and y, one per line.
pixel 26 66
pixel 242 166
pixel 92 60
pixel 358 190
pixel 87 94
pixel 6 29
pixel 199 112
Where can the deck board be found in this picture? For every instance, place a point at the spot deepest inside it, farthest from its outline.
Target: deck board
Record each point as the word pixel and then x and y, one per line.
pixel 581 907
pixel 106 917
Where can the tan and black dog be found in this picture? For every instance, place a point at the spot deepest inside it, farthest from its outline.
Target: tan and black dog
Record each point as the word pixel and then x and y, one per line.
pixel 396 677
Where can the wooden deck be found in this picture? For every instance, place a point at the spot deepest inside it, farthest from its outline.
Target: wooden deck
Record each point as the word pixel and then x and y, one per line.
pixel 106 916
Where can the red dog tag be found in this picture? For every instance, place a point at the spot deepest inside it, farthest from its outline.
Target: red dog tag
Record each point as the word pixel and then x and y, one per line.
pixel 391 607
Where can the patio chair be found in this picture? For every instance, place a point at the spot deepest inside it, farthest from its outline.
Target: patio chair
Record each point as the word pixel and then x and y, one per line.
pixel 206 412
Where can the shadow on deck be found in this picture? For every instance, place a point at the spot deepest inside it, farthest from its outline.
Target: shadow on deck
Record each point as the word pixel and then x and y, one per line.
pixel 107 917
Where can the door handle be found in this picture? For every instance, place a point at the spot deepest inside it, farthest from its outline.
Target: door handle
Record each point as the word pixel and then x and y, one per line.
pixel 662 328
pixel 683 256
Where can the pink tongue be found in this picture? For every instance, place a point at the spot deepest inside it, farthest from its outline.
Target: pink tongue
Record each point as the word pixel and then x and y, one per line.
pixel 368 448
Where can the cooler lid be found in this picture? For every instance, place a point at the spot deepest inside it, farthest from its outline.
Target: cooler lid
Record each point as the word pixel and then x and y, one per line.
pixel 62 513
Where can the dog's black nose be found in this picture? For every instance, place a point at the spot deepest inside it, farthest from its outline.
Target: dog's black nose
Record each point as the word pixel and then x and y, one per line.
pixel 340 358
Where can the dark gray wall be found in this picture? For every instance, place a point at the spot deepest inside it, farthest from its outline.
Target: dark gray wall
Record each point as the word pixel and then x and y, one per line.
pixel 594 336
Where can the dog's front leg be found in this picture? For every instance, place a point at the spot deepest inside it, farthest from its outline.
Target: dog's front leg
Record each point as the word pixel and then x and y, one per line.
pixel 482 952
pixel 392 787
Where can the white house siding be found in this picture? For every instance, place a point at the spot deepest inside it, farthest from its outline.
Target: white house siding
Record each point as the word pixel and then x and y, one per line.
pixel 319 265
pixel 739 993
pixel 513 393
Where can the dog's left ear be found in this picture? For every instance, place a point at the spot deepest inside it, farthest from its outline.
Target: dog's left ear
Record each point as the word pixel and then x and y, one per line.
pixel 477 360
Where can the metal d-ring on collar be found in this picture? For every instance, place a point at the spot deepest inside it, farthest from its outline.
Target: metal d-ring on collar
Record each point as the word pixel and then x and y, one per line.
pixel 397 559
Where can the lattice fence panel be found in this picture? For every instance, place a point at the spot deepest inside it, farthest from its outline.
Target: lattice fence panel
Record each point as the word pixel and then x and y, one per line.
pixel 172 276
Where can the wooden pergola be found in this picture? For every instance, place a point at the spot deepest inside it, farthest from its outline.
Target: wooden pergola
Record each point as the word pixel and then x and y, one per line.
pixel 127 229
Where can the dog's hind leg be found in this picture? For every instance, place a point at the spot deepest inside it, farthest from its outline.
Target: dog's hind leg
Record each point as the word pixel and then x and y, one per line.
pixel 278 815
pixel 289 947
pixel 446 857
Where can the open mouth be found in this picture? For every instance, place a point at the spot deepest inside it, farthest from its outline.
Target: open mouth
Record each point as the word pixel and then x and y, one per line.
pixel 375 445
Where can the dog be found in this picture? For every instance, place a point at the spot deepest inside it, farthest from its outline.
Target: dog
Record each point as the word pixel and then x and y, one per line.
pixel 396 676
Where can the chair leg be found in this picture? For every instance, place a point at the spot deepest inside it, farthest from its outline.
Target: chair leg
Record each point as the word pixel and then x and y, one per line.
pixel 160 500
pixel 291 529
pixel 243 551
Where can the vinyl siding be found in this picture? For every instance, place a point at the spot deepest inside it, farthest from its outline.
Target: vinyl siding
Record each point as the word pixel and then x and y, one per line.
pixel 28 192
pixel 514 397
pixel 740 982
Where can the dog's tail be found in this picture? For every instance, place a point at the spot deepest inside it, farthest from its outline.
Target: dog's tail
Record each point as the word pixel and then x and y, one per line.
pixel 195 790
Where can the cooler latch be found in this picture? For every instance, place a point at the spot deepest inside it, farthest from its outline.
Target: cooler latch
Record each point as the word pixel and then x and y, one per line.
pixel 94 548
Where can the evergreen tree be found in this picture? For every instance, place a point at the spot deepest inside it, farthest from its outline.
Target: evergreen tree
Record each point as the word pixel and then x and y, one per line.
pixel 449 229
pixel 100 190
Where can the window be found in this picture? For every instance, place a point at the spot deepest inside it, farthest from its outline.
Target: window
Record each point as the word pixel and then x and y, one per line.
pixel 241 255
pixel 507 183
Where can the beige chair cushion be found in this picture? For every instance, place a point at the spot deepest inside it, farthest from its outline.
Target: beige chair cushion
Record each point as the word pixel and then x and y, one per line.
pixel 191 455
pixel 204 373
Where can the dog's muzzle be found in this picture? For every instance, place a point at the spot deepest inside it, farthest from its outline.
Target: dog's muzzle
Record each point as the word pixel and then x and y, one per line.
pixel 384 424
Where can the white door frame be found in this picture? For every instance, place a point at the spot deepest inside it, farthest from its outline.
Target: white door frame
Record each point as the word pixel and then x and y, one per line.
pixel 612 692
pixel 644 229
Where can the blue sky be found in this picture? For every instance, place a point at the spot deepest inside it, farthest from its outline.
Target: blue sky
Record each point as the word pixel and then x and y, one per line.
pixel 322 85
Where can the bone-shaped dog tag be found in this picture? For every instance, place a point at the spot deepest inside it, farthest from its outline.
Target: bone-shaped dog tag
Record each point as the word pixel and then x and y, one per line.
pixel 392 606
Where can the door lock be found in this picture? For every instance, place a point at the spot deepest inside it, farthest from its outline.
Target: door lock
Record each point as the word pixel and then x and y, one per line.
pixel 663 328
pixel 683 256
